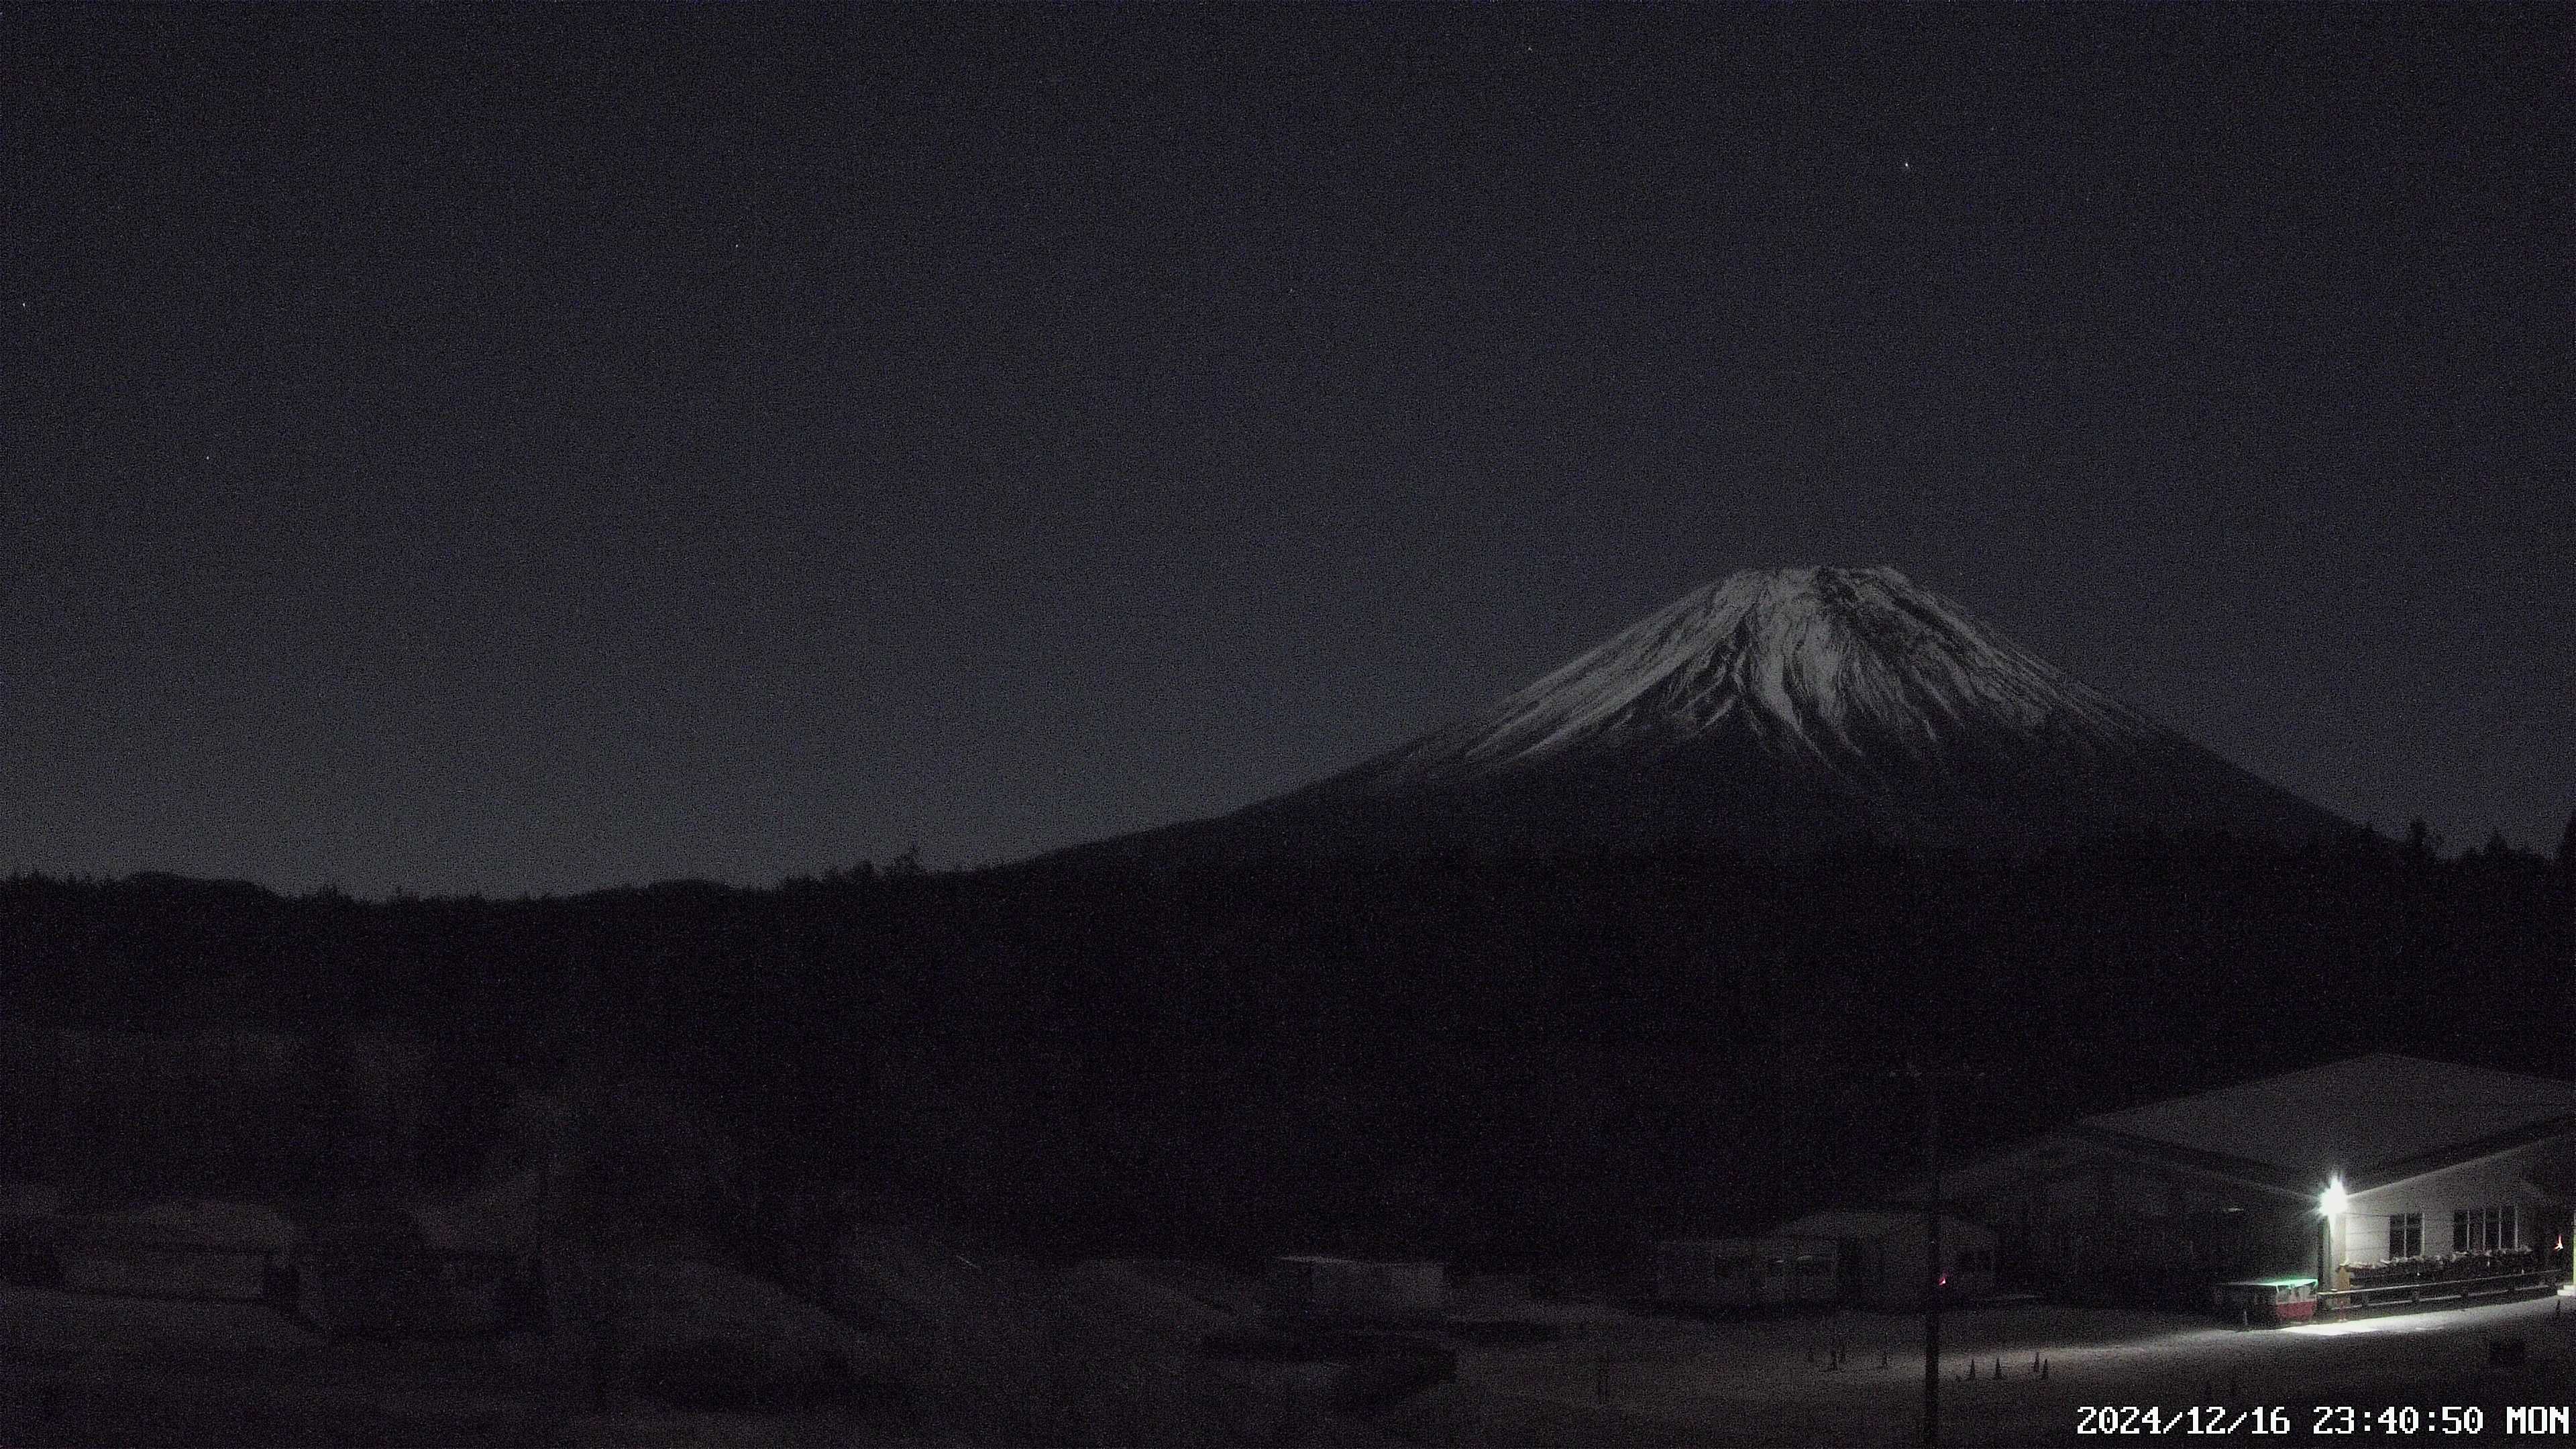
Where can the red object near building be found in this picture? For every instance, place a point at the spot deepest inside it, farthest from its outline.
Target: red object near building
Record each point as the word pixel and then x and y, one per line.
pixel 2268 1300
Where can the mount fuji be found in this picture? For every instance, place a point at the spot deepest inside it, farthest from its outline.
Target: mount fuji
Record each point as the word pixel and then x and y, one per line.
pixel 1792 707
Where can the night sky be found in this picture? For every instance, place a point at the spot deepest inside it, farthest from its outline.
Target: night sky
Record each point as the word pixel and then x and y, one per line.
pixel 514 450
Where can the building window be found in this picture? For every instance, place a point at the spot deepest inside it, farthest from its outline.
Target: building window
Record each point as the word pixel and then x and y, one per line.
pixel 2405 1235
pixel 2485 1230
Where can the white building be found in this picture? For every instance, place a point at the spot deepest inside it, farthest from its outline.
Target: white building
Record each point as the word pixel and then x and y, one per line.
pixel 2338 1169
pixel 1885 1256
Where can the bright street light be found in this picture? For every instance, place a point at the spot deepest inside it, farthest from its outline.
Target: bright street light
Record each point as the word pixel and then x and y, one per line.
pixel 2330 1206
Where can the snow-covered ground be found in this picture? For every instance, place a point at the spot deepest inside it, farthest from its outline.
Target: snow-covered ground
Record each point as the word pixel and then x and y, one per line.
pixel 88 1369
pixel 1642 1382
pixel 993 1353
pixel 1114 1347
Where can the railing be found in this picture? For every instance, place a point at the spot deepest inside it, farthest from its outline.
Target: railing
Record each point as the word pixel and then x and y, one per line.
pixel 2433 1290
pixel 2445 1268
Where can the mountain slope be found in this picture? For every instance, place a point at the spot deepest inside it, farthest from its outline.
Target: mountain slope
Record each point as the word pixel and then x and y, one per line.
pixel 1788 707
pixel 1847 671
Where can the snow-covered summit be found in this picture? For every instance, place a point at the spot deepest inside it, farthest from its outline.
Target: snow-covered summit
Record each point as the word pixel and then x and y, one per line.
pixel 1774 709
pixel 1840 667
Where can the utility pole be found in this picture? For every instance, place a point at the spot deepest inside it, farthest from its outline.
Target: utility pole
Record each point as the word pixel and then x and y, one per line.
pixel 1932 1265
pixel 1930 1081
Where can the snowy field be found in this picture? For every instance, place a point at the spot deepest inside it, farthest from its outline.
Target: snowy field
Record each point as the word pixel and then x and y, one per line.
pixel 1645 1381
pixel 86 1370
pixel 78 1369
pixel 1093 1354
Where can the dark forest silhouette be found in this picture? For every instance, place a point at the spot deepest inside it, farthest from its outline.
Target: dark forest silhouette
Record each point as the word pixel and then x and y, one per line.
pixel 1481 1056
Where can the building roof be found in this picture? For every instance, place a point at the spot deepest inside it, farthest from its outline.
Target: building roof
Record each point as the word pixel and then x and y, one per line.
pixel 2369 1120
pixel 1865 1224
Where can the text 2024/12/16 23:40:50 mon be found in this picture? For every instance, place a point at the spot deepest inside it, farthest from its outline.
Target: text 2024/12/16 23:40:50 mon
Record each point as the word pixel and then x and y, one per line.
pixel 2401 1419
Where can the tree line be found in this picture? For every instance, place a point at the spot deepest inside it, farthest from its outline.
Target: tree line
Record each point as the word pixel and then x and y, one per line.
pixel 1474 1054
